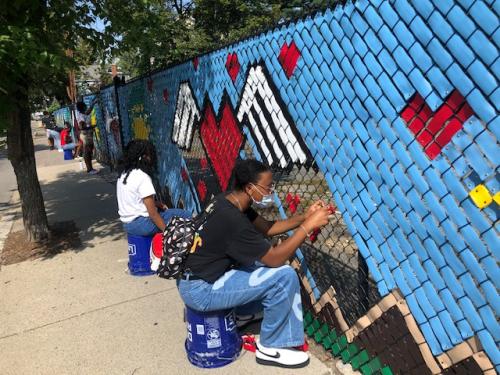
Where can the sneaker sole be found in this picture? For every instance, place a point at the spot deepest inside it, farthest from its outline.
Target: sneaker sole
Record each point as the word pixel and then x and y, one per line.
pixel 265 362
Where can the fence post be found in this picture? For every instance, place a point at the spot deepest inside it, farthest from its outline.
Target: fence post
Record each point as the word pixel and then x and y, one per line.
pixel 103 119
pixel 117 82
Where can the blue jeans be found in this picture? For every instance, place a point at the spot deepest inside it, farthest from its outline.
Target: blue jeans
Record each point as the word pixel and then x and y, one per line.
pixel 278 290
pixel 144 226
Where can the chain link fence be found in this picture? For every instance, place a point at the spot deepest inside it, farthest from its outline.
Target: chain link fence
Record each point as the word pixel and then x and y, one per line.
pixel 389 110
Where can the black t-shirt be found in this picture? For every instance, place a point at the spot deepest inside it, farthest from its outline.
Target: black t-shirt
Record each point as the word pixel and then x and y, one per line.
pixel 229 239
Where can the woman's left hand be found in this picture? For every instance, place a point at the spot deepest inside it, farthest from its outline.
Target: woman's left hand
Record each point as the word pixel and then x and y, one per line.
pixel 313 208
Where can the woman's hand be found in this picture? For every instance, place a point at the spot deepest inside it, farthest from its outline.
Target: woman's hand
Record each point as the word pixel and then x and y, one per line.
pixel 317 219
pixel 152 208
pixel 313 208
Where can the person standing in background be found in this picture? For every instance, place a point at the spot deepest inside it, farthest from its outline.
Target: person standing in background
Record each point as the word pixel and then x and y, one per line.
pixel 86 132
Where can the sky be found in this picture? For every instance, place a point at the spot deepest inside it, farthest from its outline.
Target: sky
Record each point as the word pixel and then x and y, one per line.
pixel 98 24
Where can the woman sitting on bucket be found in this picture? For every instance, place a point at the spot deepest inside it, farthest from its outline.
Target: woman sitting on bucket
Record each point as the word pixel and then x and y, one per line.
pixel 140 213
pixel 235 265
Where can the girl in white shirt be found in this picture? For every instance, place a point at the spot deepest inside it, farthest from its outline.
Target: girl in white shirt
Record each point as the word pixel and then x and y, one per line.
pixel 140 213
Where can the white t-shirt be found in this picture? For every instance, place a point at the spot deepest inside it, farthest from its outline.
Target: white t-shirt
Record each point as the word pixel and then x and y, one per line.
pixel 130 195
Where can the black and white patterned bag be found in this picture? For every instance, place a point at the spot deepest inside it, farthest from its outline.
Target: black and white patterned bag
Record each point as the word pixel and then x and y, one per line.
pixel 179 239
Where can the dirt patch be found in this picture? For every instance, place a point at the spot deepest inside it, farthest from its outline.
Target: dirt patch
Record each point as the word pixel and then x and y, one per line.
pixel 64 236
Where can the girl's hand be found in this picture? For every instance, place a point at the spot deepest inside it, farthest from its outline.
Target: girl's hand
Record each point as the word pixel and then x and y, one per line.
pixel 313 208
pixel 318 219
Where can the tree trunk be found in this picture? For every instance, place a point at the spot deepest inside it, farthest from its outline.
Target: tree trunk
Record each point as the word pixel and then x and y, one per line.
pixel 22 157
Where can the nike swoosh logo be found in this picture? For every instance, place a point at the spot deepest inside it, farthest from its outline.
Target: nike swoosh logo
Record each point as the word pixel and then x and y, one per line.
pixel 277 355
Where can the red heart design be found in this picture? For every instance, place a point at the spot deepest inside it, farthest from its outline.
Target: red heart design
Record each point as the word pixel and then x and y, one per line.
pixel 165 95
pixel 222 141
pixel 433 130
pixel 232 65
pixel 288 57
pixel 202 190
pixel 195 63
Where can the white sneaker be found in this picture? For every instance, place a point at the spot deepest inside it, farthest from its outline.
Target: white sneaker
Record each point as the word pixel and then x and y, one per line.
pixel 243 321
pixel 93 171
pixel 281 357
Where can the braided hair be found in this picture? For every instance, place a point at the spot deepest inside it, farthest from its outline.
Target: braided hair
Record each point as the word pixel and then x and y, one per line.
pixel 139 154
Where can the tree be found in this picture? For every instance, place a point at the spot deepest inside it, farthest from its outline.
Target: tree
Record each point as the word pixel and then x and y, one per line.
pixel 156 33
pixel 146 37
pixel 34 39
pixel 224 21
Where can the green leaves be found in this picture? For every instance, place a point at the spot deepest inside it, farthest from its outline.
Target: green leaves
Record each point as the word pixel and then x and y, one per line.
pixel 34 38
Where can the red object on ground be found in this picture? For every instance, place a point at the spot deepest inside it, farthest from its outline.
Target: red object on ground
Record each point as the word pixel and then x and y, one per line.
pixel 304 347
pixel 249 343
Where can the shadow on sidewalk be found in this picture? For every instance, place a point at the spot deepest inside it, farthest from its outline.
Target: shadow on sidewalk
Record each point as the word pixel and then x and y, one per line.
pixel 89 201
pixel 82 213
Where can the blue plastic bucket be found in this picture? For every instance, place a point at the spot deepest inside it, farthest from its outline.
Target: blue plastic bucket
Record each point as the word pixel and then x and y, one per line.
pixel 138 255
pixel 68 154
pixel 213 339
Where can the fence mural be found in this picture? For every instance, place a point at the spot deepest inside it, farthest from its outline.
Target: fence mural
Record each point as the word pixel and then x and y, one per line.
pixel 389 109
pixel 61 115
pixel 104 119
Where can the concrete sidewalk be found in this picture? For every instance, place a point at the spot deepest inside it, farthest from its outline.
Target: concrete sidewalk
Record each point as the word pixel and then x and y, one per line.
pixel 79 312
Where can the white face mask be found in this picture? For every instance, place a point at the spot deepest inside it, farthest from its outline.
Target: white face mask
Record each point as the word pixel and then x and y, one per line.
pixel 266 202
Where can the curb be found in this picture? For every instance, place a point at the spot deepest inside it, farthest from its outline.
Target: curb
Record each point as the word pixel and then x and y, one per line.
pixel 7 221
